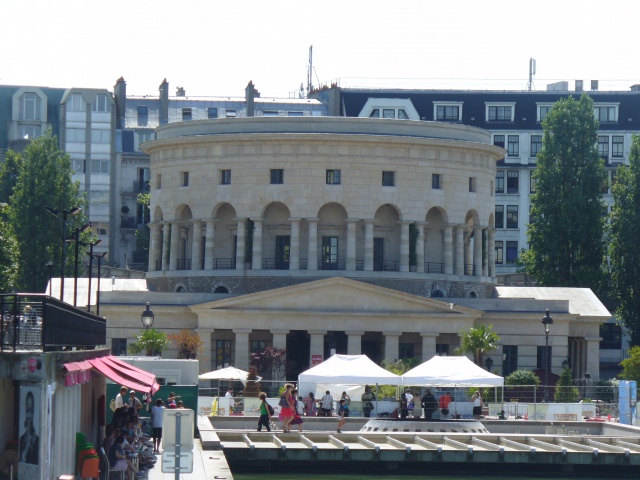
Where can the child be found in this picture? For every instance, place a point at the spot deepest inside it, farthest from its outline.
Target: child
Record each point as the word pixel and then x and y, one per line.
pixel 265 416
pixel 341 412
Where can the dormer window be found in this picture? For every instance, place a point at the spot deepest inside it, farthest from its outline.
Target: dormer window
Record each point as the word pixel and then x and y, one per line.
pixel 447 111
pixel 500 112
pixel 388 108
pixel 606 113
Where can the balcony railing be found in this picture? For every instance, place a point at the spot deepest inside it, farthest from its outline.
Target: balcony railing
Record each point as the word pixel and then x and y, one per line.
pixel 274 264
pixel 224 263
pixel 433 267
pixel 338 264
pixel 183 264
pixel 36 321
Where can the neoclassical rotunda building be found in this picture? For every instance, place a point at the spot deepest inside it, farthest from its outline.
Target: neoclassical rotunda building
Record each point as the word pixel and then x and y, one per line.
pixel 353 235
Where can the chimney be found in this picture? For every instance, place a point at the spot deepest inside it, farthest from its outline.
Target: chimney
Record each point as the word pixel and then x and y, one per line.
pixel 180 92
pixel 635 88
pixel 579 85
pixel 164 102
pixel 594 85
pixel 249 96
pixel 120 94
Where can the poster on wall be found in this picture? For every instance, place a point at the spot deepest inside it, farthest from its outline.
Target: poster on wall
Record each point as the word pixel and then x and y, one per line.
pixel 316 360
pixel 29 425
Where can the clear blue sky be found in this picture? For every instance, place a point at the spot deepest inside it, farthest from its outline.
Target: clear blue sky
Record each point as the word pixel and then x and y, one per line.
pixel 214 47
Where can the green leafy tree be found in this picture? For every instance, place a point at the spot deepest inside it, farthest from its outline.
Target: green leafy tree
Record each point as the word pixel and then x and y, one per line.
pixel 8 253
pixel 521 385
pixel 399 367
pixel 478 341
pixel 9 172
pixel 566 392
pixel 143 234
pixel 151 341
pixel 43 179
pixel 623 247
pixel 567 233
pixel 631 365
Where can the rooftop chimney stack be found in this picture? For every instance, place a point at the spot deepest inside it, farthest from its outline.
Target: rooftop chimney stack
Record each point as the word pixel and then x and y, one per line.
pixel 164 102
pixel 594 85
pixel 579 85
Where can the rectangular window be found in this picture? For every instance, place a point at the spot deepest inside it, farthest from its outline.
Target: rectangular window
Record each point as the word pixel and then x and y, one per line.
pixel 617 146
pixel 78 165
pixel 26 131
pixel 212 112
pixel 500 113
pixel 186 114
pixel 512 216
pixel 499 252
pixel 448 113
pixel 158 182
pixel 498 140
pixel 257 346
pixel 513 180
pixel 143 115
pixel 472 184
pixel 435 181
pixel 542 358
pixel 375 113
pixel 530 216
pixel 611 334
pixel 101 104
pixel 406 350
pixel 510 362
pixel 512 252
pixel 329 253
pixel 603 147
pixel 606 114
pixel 100 136
pixel 543 111
pixel 513 147
pixel 76 103
pixel 99 197
pixel 500 182
pixel 30 107
pixel 536 145
pixel 533 182
pixel 499 216
pixel 270 113
pixel 277 176
pixel 225 177
pixel 118 346
pixel 295 114
pixel 100 228
pixel 224 350
pixel 388 113
pixel 333 177
pixel 184 179
pixel 388 179
pixel 76 135
pixel 100 166
pixel 144 137
pixel 230 113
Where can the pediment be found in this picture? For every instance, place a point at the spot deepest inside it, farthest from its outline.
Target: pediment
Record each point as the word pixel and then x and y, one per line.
pixel 336 294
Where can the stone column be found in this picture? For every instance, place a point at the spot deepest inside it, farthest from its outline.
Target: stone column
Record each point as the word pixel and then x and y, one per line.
pixel 242 348
pixel 368 245
pixel 155 248
pixel 404 245
pixel 165 246
pixel 206 361
pixel 279 338
pixel 428 345
pixel 312 255
pixel 351 244
pixel 256 264
pixel 196 246
pixel 491 254
pixel 448 249
pixel 294 251
pixel 593 356
pixel 175 246
pixel 240 243
pixel 317 343
pixel 354 343
pixel 420 242
pixel 477 250
pixel 209 244
pixel 459 250
pixel 391 345
pixel 485 253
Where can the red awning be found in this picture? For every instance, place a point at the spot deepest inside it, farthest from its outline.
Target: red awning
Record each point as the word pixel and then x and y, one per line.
pixel 125 374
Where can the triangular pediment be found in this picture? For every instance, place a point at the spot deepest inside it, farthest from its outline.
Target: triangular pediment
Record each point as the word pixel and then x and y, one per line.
pixel 336 294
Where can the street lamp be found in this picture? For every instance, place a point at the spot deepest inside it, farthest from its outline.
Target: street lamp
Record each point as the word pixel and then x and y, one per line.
pixel 49 267
pixel 99 256
pixel 147 317
pixel 91 245
pixel 546 321
pixel 76 239
pixel 64 213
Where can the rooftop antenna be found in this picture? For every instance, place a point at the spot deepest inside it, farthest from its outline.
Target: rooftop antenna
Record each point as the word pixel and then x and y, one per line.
pixel 532 72
pixel 310 71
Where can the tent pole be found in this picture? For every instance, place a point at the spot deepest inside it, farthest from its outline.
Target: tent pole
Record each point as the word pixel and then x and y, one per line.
pixel 377 395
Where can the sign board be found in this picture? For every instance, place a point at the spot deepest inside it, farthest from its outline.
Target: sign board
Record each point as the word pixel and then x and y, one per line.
pixel 169 462
pixel 316 360
pixel 187 420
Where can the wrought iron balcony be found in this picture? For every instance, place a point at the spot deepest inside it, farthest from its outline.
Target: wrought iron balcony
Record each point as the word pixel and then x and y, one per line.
pixel 40 322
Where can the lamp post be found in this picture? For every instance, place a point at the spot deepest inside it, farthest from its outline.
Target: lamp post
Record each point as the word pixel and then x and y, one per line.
pixel 99 256
pixel 50 267
pixel 147 317
pixel 64 213
pixel 91 245
pixel 76 239
pixel 546 321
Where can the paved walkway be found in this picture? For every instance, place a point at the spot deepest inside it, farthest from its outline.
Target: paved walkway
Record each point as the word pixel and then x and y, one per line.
pixel 207 465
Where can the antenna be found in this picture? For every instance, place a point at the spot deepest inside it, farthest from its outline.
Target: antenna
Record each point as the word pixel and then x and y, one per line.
pixel 310 71
pixel 532 72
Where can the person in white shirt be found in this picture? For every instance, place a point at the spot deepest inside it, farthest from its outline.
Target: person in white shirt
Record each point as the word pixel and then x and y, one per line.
pixel 326 404
pixel 229 395
pixel 409 400
pixel 120 397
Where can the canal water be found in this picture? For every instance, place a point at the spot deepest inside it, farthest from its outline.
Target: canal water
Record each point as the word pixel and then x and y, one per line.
pixel 335 476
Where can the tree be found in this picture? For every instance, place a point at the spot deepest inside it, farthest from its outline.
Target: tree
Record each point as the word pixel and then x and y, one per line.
pixel 631 365
pixel 477 341
pixel 189 344
pixel 566 392
pixel 270 363
pixel 623 246
pixel 43 179
pixel 9 172
pixel 8 253
pixel 151 341
pixel 567 231
pixel 399 367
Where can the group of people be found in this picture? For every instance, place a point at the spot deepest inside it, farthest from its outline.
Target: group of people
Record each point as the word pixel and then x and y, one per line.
pixel 430 405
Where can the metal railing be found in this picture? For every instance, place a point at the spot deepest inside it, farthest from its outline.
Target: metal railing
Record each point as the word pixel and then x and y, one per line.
pixel 37 321
pixel 433 267
pixel 274 264
pixel 183 264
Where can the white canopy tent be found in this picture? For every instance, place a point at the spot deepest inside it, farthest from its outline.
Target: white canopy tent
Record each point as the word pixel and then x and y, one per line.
pixel 451 372
pixel 229 373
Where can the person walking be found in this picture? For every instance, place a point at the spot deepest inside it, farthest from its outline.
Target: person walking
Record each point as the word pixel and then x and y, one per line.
pixel 298 410
pixel 429 404
pixel 403 410
pixel 287 408
pixel 477 405
pixel 265 413
pixel 341 417
pixel 367 399
pixel 347 403
pixel 326 404
pixel 310 405
pixel 443 404
pixel 157 421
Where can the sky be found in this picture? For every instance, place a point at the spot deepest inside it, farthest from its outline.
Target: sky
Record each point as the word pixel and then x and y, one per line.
pixel 215 47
